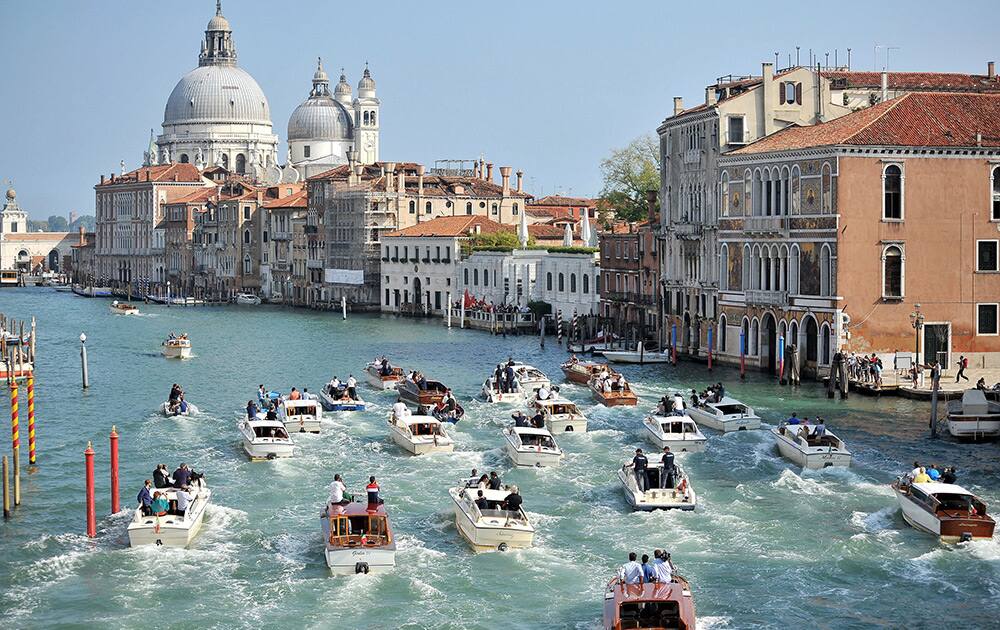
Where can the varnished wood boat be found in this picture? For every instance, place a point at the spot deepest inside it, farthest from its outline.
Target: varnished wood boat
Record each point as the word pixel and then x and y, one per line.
pixel 945 510
pixel 581 371
pixel 411 394
pixel 623 397
pixel 653 605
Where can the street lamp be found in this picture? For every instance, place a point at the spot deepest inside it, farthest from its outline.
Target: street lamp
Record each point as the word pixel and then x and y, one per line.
pixel 917 321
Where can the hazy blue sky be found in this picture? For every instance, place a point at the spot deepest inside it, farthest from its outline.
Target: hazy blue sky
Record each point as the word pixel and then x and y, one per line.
pixel 547 87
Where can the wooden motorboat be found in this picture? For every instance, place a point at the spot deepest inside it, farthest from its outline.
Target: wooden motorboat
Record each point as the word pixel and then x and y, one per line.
pixel 171 530
pixel 581 372
pixel 494 527
pixel 123 308
pixel 650 606
pixel 680 433
pixel 420 435
pixel 378 380
pixel 300 416
pixel 945 510
pixel 339 400
pixel 491 393
pixel 726 415
pixel 412 395
pixel 612 391
pixel 173 410
pixel 527 446
pixel 177 347
pixel 265 439
pixel 800 444
pixel 974 417
pixel 677 495
pixel 358 539
pixel 560 415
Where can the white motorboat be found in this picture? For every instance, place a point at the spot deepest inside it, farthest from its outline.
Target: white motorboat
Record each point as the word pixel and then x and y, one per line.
pixel 493 527
pixel 358 539
pixel 170 529
pixel 527 446
pixel 493 394
pixel 945 510
pixel 122 308
pixel 419 435
pixel 300 416
pixel 974 417
pixel 247 299
pixel 636 356
pixel 265 439
pixel 560 415
pixel 383 379
pixel 170 410
pixel 177 347
pixel 800 444
pixel 338 399
pixel 726 415
pixel 530 377
pixel 676 495
pixel 680 433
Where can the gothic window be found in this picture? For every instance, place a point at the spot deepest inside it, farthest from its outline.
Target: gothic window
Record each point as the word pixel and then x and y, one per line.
pixel 465 277
pixel 475 277
pixel 724 268
pixel 722 333
pixel 241 163
pixel 892 272
pixel 548 281
pixel 246 236
pixel 427 208
pixel 247 265
pixel 586 283
pixel 184 158
pixel 562 283
pixel 468 208
pixel 826 189
pixel 413 207
pixel 486 277
pixel 892 193
pixel 572 283
pixel 825 271
pixel 724 196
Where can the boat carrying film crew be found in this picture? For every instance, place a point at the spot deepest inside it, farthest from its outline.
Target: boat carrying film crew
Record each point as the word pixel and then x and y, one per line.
pixel 660 570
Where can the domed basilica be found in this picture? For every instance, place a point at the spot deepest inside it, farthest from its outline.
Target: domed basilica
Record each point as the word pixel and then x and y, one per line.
pixel 217 115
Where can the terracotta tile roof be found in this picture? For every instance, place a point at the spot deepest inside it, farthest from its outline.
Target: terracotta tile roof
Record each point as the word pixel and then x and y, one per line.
pixel 919 81
pixel 298 199
pixel 198 196
pixel 451 226
pixel 917 119
pixel 547 213
pixel 558 200
pixel 163 173
pixel 434 185
pixel 36 236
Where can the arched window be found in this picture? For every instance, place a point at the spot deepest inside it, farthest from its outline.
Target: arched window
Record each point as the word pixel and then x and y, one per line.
pixel 996 193
pixel 427 208
pixel 892 193
pixel 826 189
pixel 892 272
pixel 786 191
pixel 746 268
pixel 241 163
pixel 747 193
pixel 757 194
pixel 825 342
pixel 475 277
pixel 365 117
pixel 586 283
pixel 468 208
pixel 796 185
pixel 793 270
pixel 486 277
pixel 722 333
pixel 184 158
pixel 825 271
pixel 572 283
pixel 225 161
pixel 372 118
pixel 548 281
pixel 413 207
pixel 754 330
pixel 247 265
pixel 246 236
pixel 465 277
pixel 494 208
pixel 724 195
pixel 514 209
pixel 562 283
pixel 724 268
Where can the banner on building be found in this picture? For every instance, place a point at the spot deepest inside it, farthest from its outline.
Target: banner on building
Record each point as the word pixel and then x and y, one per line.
pixel 344 276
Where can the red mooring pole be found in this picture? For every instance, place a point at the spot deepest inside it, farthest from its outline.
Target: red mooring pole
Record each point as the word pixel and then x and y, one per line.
pixel 91 516
pixel 31 419
pixel 115 503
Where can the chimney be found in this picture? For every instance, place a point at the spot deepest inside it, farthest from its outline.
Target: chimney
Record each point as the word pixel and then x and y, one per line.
pixel 991 69
pixel 402 180
pixel 489 172
pixel 82 239
pixel 710 95
pixel 651 205
pixel 770 96
pixel 390 171
pixel 147 175
pixel 678 105
pixel 885 86
pixel 520 177
pixel 505 179
pixel 102 178
pixel 420 180
pixel 482 168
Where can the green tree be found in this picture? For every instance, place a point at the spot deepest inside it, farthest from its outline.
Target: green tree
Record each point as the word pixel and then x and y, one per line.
pixel 503 238
pixel 58 224
pixel 628 173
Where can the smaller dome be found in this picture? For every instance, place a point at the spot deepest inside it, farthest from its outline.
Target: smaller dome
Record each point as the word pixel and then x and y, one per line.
pixel 11 194
pixel 218 22
pixel 320 118
pixel 343 87
pixel 320 74
pixel 366 86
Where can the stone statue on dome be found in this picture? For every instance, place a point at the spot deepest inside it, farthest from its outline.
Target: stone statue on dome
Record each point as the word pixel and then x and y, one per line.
pixel 166 157
pixel 199 158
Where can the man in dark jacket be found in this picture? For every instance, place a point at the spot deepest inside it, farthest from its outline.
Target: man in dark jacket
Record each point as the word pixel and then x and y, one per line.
pixel 639 464
pixel 145 499
pixel 669 471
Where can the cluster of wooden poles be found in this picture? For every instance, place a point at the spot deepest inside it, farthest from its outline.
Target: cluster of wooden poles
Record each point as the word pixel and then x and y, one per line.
pixel 88 456
pixel 19 361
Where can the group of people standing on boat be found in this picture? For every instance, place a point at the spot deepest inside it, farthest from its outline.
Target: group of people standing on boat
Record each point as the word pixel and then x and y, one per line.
pixel 504 378
pixel 711 394
pixel 535 422
pixel 670 405
pixel 511 503
pixel 343 390
pixel 932 473
pixel 175 402
pixel 667 473
pixel 339 496
pixel 152 498
pixel 660 570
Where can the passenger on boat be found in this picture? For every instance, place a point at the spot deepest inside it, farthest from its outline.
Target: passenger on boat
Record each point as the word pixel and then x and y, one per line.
pixel 422 383
pixel 352 387
pixel 512 502
pixel 695 402
pixel 182 476
pixel 922 477
pixel 949 476
pixel 495 482
pixel 508 384
pixel 161 478
pixel 820 429
pixel 262 394
pixel 484 482
pixel 252 410
pixel 913 473
pixel 183 500
pixel 606 385
pixel 663 569
pixel 803 432
pixel 385 369
pixel 294 395
pixel 543 393
pixel 145 498
pixel 669 469
pixel 497 378
pixel 648 572
pixel 933 472
pixel 338 491
pixel 793 419
pixel 175 392
pixel 538 420
pixel 573 359
pixel 272 413
pixel 678 404
pixel 639 464
pixel 373 491
pixel 159 505
pixel 481 501
pixel 631 572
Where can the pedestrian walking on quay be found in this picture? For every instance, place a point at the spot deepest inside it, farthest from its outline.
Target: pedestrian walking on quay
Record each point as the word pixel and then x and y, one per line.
pixel 963 363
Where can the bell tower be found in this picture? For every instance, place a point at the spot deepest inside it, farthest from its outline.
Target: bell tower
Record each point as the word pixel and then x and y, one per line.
pixel 366 119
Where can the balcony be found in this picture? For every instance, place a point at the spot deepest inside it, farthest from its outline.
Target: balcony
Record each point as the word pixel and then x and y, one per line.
pixel 314 264
pixel 767 298
pixel 631 297
pixel 281 236
pixel 280 265
pixel 766 225
pixel 688 230
pixel 692 156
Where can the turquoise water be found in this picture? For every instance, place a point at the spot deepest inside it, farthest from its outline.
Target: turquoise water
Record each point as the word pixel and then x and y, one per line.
pixel 769 546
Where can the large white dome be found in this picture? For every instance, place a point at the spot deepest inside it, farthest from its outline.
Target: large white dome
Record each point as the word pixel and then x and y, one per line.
pixel 320 118
pixel 217 93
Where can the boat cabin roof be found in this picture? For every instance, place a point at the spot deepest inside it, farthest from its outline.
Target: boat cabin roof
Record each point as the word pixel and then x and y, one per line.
pixel 357 509
pixel 413 419
pixel 728 405
pixel 530 431
pixel 935 488
pixel 301 402
pixel 262 421
pixel 489 495
pixel 555 401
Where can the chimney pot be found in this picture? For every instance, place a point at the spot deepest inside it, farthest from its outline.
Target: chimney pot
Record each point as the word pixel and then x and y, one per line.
pixel 710 95
pixel 505 179
pixel 651 204
pixel 678 105
pixel 885 86
pixel 520 177
pixel 489 171
pixel 102 178
pixel 991 69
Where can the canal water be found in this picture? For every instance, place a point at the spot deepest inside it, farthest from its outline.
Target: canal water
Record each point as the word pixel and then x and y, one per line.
pixel 769 546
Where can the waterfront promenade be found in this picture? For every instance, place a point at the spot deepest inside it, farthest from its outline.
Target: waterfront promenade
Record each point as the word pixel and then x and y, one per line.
pixel 769 546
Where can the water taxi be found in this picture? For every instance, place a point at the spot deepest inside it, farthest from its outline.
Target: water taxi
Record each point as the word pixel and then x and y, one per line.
pixel 383 378
pixel 527 446
pixel 170 529
pixel 265 439
pixel 612 390
pixel 677 495
pixel 530 377
pixel 91 292
pixel 595 345
pixel 420 435
pixel 651 605
pixel 726 415
pixel 492 527
pixel 580 372
pixel 801 444
pixel 358 539
pixel 945 510
pixel 560 415
pixel 177 347
pixel 247 299
pixel 123 308
pixel 974 417
pixel 338 399
pixel 300 416
pixel 492 393
pixel 636 356
pixel 410 393
pixel 680 433
pixel 170 409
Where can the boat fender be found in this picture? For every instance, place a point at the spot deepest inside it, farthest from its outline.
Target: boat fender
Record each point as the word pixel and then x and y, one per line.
pixel 966 536
pixel 502 547
pixel 569 428
pixel 361 567
pixel 272 455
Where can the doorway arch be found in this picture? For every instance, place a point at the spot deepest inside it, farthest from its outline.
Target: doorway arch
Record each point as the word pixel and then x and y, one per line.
pixel 769 341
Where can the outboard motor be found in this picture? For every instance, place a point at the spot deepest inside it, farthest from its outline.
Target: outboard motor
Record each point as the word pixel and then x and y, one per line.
pixel 360 567
pixel 965 537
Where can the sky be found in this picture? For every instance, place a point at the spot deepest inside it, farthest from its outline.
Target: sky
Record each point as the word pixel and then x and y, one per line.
pixel 546 87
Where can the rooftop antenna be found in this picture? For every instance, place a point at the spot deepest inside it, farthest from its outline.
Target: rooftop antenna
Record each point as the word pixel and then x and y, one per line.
pixel 797 55
pixel 836 63
pixel 776 60
pixel 875 56
pixel 848 58
pixel 826 64
pixel 789 60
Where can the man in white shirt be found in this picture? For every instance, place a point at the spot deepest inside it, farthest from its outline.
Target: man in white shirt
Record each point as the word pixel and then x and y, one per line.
pixel 399 410
pixel 631 571
pixel 183 499
pixel 662 568
pixel 678 404
pixel 352 384
pixel 337 490
pixel 915 471
pixel 543 393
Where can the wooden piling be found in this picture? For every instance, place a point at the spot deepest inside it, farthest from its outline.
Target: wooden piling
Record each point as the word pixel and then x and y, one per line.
pixel 91 516
pixel 16 442
pixel 31 419
pixel 115 500
pixel 6 489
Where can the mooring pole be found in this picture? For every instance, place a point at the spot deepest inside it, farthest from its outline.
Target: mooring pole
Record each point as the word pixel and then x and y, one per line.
pixel 710 339
pixel 91 516
pixel 449 309
pixel 16 442
pixel 115 504
pixel 6 489
pixel 343 306
pixel 83 360
pixel 743 348
pixel 31 419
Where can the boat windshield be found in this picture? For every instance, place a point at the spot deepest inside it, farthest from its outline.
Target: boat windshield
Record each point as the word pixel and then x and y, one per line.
pixel 732 409
pixel 425 428
pixel 299 410
pixel 562 409
pixel 678 427
pixel 351 531
pixel 654 614
pixel 271 432
pixel 531 439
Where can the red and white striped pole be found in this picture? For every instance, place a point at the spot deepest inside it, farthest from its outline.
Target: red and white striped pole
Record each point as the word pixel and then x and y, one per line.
pixel 31 419
pixel 15 437
pixel 91 515
pixel 115 502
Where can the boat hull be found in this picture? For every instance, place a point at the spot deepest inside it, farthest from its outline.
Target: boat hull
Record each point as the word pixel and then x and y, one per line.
pixel 504 398
pixel 261 452
pixel 527 457
pixel 304 425
pixel 974 429
pixel 615 399
pixel 381 383
pixel 655 498
pixel 815 458
pixel 173 352
pixel 329 404
pixel 948 530
pixel 725 424
pixel 560 424
pixel 348 561
pixel 689 444
pixel 173 530
pixel 419 447
pixel 491 537
pixel 634 357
